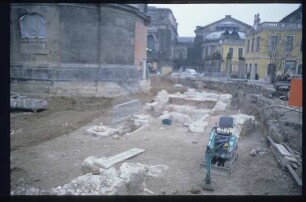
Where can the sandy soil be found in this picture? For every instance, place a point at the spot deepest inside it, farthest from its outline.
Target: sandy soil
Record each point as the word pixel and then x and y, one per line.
pixel 48 152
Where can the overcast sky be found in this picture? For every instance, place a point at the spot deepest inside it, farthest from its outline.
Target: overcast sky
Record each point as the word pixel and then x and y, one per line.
pixel 188 16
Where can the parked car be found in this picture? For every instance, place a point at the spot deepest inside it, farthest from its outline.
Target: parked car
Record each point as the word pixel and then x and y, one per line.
pixel 203 74
pixel 175 74
pixel 190 73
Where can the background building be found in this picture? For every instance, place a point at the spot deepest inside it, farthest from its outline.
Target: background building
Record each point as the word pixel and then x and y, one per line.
pixel 275 47
pixel 161 39
pixel 218 40
pixel 77 49
pixel 184 55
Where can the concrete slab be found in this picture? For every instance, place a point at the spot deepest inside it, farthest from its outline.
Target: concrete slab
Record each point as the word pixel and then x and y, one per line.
pixel 125 110
pixel 282 150
pixel 118 158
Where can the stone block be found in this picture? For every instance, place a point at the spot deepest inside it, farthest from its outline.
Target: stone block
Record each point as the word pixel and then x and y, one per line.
pixel 107 163
pixel 198 126
pixel 134 175
pixel 253 152
pixel 28 103
pixel 88 166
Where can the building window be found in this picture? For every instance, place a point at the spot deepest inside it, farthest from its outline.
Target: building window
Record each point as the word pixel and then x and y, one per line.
pixel 32 26
pixel 181 55
pixel 255 68
pixel 151 44
pixel 240 52
pixel 299 72
pixel 257 43
pixel 252 45
pixel 273 40
pixel 250 68
pixel 290 66
pixel 248 45
pixel 301 45
pixel 288 43
pixel 230 53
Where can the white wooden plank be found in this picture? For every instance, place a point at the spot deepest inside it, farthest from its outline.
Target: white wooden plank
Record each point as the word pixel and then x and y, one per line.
pixel 119 157
pixel 291 159
pixel 283 150
pixel 294 175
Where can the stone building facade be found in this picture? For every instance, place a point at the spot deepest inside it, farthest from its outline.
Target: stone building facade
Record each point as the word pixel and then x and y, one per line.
pixel 183 54
pixel 275 47
pixel 219 46
pixel 161 39
pixel 77 49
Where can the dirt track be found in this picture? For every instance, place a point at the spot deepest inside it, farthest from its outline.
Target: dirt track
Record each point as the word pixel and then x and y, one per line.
pixel 49 150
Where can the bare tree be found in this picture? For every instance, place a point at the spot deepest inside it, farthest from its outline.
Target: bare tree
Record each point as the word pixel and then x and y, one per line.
pixel 279 48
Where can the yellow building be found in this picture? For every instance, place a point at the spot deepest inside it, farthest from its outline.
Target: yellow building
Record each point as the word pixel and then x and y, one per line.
pixel 235 50
pixel 278 43
pixel 215 41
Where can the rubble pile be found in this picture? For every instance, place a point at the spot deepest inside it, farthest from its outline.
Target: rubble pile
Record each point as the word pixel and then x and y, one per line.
pixel 239 121
pixel 129 179
pixel 26 103
pixel 140 120
pixel 107 182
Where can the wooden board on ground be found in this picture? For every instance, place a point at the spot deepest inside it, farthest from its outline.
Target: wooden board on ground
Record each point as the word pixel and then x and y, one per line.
pixel 282 150
pixel 291 159
pixel 109 162
pixel 294 175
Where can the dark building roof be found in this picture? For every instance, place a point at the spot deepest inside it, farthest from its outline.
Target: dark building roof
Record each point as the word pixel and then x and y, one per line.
pixel 295 16
pixel 223 19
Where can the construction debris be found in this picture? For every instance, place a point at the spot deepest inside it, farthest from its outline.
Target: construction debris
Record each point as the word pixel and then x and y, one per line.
pixel 115 137
pixel 280 153
pixel 129 179
pixel 198 126
pixel 28 190
pixel 157 170
pixel 253 152
pixel 25 103
pixel 107 163
pixel 102 131
pixel 161 99
pixel 88 166
pixel 239 121
pixel 258 149
pixel 107 183
pixel 134 176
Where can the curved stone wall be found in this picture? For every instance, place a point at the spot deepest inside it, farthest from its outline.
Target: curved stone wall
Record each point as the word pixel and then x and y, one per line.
pixel 83 43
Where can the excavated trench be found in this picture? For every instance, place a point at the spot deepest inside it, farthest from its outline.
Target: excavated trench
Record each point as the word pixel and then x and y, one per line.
pixel 186 108
pixel 281 124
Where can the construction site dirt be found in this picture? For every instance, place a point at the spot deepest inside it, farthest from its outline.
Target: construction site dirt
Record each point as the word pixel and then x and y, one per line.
pixel 49 147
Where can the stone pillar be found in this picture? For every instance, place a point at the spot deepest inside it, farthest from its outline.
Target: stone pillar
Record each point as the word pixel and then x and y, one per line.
pixel 252 77
pixel 228 68
pixel 144 69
